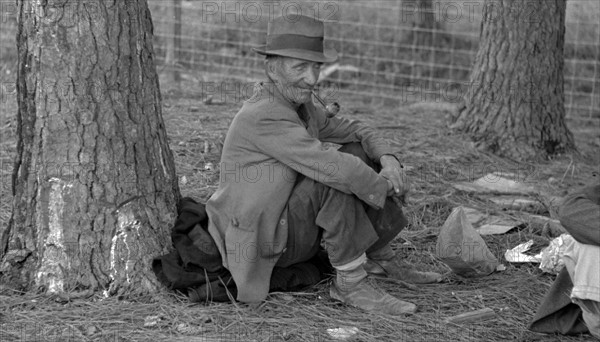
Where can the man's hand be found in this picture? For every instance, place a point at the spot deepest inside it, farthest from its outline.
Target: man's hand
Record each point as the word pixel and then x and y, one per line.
pixel 392 171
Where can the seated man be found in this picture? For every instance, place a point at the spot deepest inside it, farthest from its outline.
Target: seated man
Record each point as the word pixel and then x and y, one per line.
pixel 576 291
pixel 282 195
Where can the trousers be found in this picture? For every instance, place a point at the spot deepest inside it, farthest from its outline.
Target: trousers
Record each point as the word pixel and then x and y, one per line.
pixel 322 217
pixel 583 264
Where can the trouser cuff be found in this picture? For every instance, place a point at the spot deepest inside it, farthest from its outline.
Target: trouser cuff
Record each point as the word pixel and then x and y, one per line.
pixel 352 264
pixel 384 253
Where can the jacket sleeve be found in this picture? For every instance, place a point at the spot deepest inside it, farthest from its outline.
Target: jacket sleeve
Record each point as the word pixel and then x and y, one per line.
pixel 342 130
pixel 580 215
pixel 285 139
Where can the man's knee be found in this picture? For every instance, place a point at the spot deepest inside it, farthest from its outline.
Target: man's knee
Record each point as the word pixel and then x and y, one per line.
pixel 356 149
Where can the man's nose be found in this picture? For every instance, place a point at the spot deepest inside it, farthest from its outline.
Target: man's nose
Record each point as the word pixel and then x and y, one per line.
pixel 312 75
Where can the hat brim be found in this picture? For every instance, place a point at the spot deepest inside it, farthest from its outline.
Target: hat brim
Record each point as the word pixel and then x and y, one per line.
pixel 327 56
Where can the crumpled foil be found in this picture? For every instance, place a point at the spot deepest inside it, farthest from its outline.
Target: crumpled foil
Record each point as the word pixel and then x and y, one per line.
pixel 517 254
pixel 552 261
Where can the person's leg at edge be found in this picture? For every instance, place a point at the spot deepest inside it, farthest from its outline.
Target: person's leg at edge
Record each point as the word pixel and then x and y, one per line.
pixel 581 261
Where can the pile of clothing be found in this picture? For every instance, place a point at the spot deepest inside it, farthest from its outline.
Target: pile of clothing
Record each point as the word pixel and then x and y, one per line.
pixel 194 267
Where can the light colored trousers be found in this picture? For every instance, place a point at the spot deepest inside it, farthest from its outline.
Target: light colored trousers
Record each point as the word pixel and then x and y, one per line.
pixel 583 264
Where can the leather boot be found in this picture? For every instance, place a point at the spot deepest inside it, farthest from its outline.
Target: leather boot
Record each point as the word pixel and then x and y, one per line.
pixel 363 294
pixel 400 271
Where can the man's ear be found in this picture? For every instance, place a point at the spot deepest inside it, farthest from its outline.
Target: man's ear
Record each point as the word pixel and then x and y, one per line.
pixel 267 66
pixel 270 65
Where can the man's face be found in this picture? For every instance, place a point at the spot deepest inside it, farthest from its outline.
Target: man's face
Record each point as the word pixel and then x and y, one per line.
pixel 295 78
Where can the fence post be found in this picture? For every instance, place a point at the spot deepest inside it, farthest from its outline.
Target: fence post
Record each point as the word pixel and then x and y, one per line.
pixel 173 41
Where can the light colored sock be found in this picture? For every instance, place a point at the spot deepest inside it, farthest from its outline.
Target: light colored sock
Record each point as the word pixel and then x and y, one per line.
pixel 350 274
pixel 352 264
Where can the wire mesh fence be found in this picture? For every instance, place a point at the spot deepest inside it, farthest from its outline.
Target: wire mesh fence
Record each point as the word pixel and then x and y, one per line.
pixel 390 51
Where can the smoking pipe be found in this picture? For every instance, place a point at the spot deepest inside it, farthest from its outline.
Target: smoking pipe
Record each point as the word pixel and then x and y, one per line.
pixel 330 109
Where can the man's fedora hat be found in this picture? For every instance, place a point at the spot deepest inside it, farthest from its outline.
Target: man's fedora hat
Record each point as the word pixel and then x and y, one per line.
pixel 297 36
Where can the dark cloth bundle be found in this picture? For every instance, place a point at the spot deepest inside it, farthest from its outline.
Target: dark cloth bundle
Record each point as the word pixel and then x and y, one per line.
pixel 557 313
pixel 194 267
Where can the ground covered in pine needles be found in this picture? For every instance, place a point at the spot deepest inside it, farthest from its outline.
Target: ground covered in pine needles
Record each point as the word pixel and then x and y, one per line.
pixel 435 158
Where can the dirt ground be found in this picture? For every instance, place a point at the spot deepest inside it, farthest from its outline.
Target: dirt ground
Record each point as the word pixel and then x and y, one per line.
pixel 435 158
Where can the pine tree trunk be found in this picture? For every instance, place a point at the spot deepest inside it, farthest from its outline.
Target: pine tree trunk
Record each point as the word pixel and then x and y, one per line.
pixel 514 106
pixel 94 184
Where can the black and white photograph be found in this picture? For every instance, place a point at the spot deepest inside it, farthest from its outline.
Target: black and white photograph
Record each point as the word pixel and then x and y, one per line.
pixel 297 170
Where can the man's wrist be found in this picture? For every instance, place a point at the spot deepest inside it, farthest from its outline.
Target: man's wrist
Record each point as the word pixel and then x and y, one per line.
pixel 384 159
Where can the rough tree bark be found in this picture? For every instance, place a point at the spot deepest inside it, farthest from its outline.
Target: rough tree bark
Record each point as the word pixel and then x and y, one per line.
pixel 514 105
pixel 94 183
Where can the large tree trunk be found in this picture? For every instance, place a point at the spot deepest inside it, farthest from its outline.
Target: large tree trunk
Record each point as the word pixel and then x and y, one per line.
pixel 94 182
pixel 514 105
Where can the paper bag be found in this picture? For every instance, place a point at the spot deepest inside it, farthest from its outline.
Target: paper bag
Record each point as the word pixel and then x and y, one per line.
pixel 461 248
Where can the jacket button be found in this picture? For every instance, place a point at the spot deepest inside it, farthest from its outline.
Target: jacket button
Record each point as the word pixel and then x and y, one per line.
pixel 282 222
pixel 234 222
pixel 371 197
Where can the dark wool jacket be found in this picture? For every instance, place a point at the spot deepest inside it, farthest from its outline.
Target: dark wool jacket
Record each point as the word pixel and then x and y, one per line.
pixel 195 261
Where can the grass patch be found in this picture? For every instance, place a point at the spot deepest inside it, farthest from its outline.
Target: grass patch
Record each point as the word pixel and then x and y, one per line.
pixel 435 157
